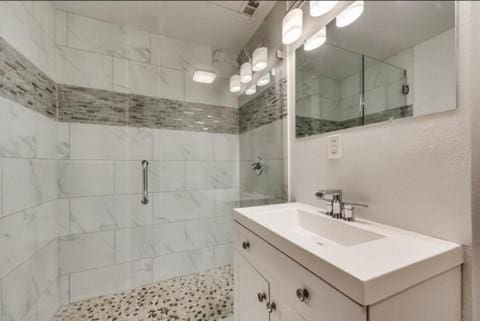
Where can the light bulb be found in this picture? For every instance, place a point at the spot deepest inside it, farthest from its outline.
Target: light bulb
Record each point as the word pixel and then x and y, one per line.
pixel 292 26
pixel 259 59
pixel 350 14
pixel 235 84
pixel 245 72
pixel 316 40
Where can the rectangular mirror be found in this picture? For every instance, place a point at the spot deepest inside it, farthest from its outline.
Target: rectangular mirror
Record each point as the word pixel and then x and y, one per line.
pixel 396 60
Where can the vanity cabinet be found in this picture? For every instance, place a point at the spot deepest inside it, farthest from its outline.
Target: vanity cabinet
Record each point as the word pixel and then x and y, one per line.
pixel 270 286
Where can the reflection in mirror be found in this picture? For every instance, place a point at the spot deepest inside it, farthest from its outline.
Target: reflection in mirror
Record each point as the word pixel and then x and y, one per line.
pixel 396 60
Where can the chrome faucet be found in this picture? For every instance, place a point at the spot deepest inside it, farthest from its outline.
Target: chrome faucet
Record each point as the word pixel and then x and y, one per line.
pixel 336 207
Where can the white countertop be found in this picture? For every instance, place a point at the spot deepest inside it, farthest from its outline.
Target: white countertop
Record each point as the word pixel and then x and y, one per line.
pixel 366 272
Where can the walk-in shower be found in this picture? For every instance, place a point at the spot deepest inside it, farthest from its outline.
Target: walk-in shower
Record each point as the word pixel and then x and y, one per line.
pixel 119 172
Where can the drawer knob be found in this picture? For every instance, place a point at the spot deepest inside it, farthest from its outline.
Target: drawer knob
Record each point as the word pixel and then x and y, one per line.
pixel 302 294
pixel 246 245
pixel 271 306
pixel 261 296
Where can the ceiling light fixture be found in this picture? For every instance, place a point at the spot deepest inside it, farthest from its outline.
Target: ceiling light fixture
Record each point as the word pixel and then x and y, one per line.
pixel 350 14
pixel 264 80
pixel 251 90
pixel 316 40
pixel 246 72
pixel 292 26
pixel 319 8
pixel 235 84
pixel 204 77
pixel 260 59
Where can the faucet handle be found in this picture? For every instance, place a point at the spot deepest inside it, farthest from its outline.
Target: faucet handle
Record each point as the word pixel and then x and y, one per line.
pixel 348 210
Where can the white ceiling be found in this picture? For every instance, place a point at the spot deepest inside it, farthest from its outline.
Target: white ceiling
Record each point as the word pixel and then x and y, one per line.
pixel 217 24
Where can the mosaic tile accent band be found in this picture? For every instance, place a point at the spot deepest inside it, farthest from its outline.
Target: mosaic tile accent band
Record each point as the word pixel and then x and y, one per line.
pixel 22 82
pixel 268 106
pixel 94 106
pixel 206 296
pixel 307 126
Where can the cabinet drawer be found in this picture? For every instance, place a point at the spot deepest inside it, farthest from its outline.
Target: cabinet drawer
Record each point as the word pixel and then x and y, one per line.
pixel 324 302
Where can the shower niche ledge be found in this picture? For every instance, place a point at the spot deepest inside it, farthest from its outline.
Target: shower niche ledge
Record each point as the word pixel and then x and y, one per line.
pixel 294 263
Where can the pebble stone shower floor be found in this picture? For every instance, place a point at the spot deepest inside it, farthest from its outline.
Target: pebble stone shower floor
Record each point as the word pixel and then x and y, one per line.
pixel 206 296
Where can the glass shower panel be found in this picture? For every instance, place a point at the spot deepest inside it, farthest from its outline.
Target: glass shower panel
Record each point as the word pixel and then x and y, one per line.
pixel 385 91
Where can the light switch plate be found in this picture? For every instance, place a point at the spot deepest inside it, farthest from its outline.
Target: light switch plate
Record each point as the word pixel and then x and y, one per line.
pixel 334 147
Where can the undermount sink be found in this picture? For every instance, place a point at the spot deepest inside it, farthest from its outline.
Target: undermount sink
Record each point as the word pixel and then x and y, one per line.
pixel 332 229
pixel 366 260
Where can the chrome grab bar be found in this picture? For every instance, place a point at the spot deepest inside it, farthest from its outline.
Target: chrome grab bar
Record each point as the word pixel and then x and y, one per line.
pixel 145 182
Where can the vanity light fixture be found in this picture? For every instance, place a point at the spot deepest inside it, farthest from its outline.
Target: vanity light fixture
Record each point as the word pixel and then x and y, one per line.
pixel 292 26
pixel 319 8
pixel 350 14
pixel 235 84
pixel 260 58
pixel 246 72
pixel 251 90
pixel 264 80
pixel 316 40
pixel 204 77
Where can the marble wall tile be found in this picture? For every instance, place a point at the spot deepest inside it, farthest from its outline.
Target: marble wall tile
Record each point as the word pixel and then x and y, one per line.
pixel 170 83
pixel 202 259
pixel 17 240
pixel 226 200
pixel 267 141
pixel 79 252
pixel 121 75
pixel 207 233
pixel 211 174
pixel 63 140
pixel 179 206
pixel 182 145
pixel 226 147
pixel 217 93
pixel 109 142
pixel 189 56
pixel 17 130
pixel 167 176
pixel 27 183
pixel 142 79
pixel 110 279
pixel 129 177
pixel 148 242
pixel 223 255
pixel 63 216
pixel 84 69
pixel 92 214
pixel 108 38
pixel 60 27
pixel 172 265
pixel 48 302
pixel 31 314
pixel 46 219
pixel 44 14
pixel 23 32
pixel 22 288
pixel 270 183
pixel 85 178
pixel 64 289
pixel 46 137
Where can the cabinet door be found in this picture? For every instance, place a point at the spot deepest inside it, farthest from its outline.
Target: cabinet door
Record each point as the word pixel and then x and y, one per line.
pixel 248 285
pixel 285 312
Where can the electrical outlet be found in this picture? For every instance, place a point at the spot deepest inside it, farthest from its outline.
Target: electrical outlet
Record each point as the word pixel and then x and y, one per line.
pixel 334 147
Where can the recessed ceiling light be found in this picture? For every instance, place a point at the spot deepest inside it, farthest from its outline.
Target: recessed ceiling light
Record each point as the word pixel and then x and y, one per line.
pixel 204 77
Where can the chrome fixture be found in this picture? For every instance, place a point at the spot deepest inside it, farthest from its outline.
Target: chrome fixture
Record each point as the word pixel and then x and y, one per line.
pixel 336 207
pixel 262 296
pixel 258 166
pixel 145 182
pixel 271 307
pixel 246 245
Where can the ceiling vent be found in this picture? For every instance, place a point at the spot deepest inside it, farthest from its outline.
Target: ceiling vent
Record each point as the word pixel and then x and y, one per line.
pixel 249 7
